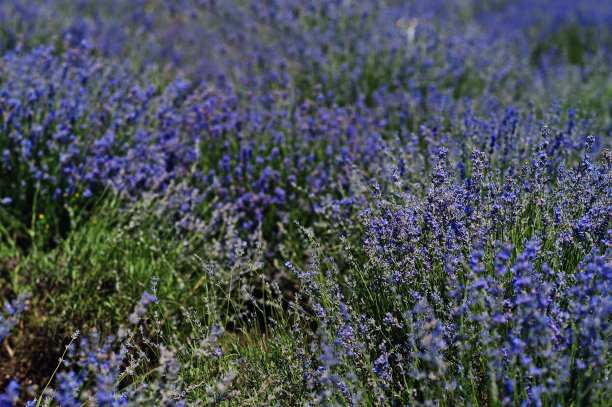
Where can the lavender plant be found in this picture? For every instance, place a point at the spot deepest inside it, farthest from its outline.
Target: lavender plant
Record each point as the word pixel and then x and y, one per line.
pixel 468 292
pixel 367 203
pixel 12 313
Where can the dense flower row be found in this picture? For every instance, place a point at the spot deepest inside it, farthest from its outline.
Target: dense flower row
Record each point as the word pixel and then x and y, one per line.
pixel 75 124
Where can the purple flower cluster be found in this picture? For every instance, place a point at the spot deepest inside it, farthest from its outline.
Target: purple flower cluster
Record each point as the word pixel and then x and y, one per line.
pixel 141 308
pixel 12 313
pixel 10 396
pixel 499 284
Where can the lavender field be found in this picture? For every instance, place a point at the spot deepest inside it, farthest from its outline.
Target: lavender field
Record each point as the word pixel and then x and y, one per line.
pixel 305 203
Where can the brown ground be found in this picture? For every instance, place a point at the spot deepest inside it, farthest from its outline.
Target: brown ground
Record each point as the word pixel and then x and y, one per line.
pixel 25 355
pixel 27 358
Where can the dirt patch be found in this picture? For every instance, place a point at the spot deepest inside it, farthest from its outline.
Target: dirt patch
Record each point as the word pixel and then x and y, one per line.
pixel 28 359
pixel 26 355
